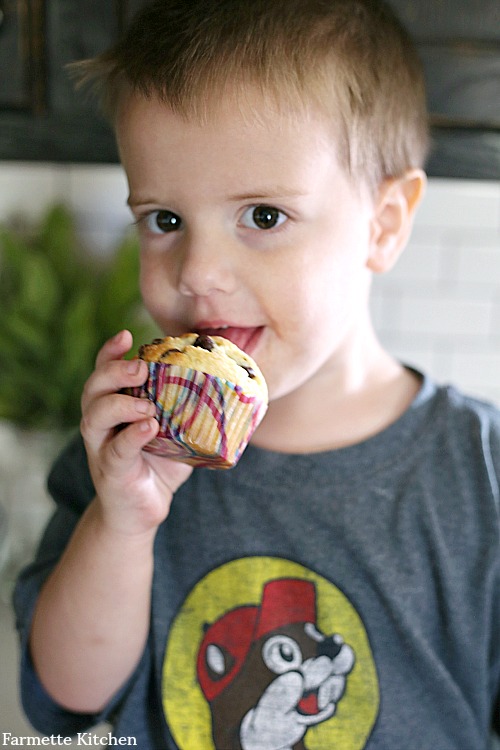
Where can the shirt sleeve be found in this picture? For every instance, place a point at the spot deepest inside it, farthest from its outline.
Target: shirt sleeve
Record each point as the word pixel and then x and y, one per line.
pixel 71 487
pixel 492 457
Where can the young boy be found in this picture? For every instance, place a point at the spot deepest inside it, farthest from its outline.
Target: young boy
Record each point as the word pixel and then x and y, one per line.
pixel 339 587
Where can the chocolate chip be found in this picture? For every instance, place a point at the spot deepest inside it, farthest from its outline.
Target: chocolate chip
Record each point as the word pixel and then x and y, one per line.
pixel 171 351
pixel 157 341
pixel 204 342
pixel 250 371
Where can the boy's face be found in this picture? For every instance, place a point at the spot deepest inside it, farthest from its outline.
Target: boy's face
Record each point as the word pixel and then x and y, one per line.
pixel 250 229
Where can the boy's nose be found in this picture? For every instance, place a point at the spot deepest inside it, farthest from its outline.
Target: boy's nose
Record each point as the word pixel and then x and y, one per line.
pixel 205 268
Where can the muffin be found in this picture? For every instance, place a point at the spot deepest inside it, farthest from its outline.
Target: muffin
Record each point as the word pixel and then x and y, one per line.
pixel 209 395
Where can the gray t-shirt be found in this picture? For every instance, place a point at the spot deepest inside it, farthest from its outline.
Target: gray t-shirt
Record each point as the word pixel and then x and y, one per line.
pixel 339 600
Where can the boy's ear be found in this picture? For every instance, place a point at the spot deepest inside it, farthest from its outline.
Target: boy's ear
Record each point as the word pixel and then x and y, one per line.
pixel 394 211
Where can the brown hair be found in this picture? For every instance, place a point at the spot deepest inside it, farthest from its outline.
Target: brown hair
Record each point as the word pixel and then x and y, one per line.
pixel 352 58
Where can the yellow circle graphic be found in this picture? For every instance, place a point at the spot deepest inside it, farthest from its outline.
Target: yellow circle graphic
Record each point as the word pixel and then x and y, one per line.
pixel 240 583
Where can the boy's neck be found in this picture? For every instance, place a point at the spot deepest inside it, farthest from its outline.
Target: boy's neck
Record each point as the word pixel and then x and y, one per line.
pixel 343 405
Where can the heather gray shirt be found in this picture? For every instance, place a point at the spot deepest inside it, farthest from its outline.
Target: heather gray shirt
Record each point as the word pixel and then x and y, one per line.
pixel 346 599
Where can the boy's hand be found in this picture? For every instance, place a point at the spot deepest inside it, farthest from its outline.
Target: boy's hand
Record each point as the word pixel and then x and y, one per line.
pixel 134 489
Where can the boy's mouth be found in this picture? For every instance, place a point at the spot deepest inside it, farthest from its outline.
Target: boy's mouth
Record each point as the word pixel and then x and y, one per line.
pixel 244 338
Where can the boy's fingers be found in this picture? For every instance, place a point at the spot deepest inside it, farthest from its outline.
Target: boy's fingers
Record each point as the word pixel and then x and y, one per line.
pixel 112 376
pixel 126 445
pixel 107 413
pixel 115 348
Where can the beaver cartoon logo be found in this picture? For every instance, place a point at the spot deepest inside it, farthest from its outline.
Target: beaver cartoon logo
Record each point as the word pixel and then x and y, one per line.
pixel 265 653
pixel 268 673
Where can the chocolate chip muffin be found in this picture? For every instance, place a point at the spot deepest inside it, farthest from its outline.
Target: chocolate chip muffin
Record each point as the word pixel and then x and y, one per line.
pixel 209 396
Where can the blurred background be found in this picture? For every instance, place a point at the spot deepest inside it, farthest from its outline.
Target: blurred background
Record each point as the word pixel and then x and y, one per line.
pixel 67 259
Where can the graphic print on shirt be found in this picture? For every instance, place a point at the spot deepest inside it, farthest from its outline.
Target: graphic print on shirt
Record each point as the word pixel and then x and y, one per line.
pixel 267 655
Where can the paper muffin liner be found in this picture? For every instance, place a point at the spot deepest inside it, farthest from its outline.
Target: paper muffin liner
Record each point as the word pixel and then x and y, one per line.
pixel 204 420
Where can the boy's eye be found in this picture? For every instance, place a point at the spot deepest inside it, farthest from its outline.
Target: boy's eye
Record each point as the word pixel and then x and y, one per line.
pixel 263 217
pixel 163 221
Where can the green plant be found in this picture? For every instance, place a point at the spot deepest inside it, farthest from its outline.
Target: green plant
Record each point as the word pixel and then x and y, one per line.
pixel 58 305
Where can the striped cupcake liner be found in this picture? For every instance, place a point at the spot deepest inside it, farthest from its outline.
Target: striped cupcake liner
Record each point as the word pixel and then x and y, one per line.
pixel 204 420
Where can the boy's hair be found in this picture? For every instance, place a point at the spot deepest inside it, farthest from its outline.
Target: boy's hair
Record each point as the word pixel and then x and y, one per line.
pixel 352 59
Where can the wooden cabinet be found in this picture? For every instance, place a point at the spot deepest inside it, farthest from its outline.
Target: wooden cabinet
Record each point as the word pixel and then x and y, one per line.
pixel 459 44
pixel 22 56
pixel 43 118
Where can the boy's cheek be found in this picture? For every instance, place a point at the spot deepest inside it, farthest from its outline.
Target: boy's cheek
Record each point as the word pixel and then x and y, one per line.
pixel 154 285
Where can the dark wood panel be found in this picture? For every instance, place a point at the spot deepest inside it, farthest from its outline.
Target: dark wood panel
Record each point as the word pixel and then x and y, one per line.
pixel 75 30
pixel 459 44
pixel 71 137
pixel 22 56
pixel 129 8
pixel 463 154
pixel 69 127
pixel 463 81
pixel 450 19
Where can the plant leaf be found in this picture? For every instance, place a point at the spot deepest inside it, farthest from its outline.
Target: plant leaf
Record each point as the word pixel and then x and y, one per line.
pixel 57 307
pixel 57 240
pixel 39 290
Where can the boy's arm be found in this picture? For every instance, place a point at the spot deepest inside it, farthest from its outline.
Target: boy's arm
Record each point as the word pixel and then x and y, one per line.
pixel 92 617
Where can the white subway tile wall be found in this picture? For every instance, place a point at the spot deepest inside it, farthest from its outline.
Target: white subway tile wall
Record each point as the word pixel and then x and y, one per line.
pixel 438 309
pixel 97 195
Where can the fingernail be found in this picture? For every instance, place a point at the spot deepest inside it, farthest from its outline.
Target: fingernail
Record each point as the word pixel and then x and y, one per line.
pixel 145 425
pixel 144 407
pixel 134 366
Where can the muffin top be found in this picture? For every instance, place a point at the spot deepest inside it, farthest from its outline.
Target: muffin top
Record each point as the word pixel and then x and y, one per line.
pixel 213 355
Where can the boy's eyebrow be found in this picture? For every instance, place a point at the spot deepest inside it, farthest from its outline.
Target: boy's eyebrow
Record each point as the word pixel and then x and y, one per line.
pixel 133 201
pixel 276 190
